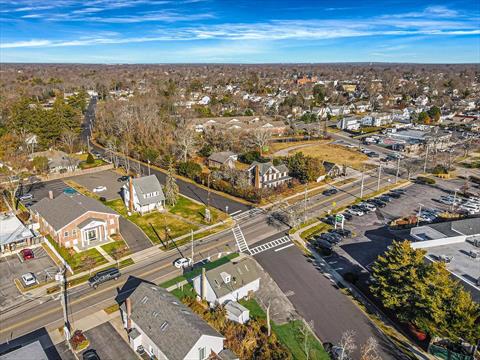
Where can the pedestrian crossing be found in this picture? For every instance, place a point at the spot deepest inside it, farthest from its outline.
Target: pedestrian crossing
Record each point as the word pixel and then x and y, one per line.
pixel 247 214
pixel 269 245
pixel 240 239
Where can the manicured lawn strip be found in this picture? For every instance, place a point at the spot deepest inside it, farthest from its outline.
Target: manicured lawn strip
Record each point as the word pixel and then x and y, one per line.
pixel 186 290
pixel 81 189
pixel 191 274
pixel 76 260
pixel 320 228
pixel 98 162
pixel 289 334
pixel 112 246
pixel 112 308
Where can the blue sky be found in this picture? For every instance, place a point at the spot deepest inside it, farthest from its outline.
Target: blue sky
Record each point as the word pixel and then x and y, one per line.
pixel 240 31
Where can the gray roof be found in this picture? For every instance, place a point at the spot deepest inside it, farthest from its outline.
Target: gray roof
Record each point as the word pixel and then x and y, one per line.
pixel 227 354
pixel 221 157
pixel 466 227
pixel 264 167
pixel 12 230
pixel 64 209
pixel 154 308
pixel 235 308
pixel 242 272
pixel 146 185
pixel 33 350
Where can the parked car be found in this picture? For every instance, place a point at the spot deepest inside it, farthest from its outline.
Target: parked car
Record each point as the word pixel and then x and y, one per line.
pixel 90 355
pixel 104 276
pixel 29 279
pixel 331 238
pixel 182 262
pixel 377 202
pixel 329 220
pixel 346 215
pixel 373 154
pixel 385 198
pixel 370 207
pixel 398 191
pixel 27 254
pixel 25 197
pixel 394 195
pixel 342 232
pixel 330 192
pixel 99 188
pixel 356 211
pixel 123 178
pixel 323 244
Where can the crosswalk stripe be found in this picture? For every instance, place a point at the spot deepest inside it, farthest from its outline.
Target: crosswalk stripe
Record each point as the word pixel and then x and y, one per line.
pixel 270 245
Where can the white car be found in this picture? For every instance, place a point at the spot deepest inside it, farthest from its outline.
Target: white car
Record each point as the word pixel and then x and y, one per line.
pixel 29 279
pixel 368 206
pixel 182 262
pixel 99 189
pixel 356 212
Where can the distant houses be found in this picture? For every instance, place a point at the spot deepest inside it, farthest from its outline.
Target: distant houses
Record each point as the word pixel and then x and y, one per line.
pixel 143 194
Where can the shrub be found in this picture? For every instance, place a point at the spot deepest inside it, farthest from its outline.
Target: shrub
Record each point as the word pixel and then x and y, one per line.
pixel 206 150
pixel 103 198
pixel 90 159
pixel 439 169
pixel 189 169
pixel 425 180
pixel 251 156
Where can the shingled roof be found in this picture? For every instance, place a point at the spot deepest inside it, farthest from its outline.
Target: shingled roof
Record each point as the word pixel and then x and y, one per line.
pixel 147 185
pixel 171 325
pixel 64 209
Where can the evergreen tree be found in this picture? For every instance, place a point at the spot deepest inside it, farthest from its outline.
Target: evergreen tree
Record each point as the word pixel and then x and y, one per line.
pixel 171 187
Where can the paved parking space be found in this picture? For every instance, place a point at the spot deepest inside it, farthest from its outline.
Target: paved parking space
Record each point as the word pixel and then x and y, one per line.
pixel 40 190
pixel 106 178
pixel 108 343
pixel 11 268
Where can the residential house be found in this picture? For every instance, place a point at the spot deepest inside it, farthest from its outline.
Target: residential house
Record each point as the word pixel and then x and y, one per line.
pixel 75 220
pixel 332 170
pixel 13 233
pixel 349 123
pixel 262 175
pixel 167 329
pixel 229 282
pixel 223 159
pixel 58 161
pixel 143 194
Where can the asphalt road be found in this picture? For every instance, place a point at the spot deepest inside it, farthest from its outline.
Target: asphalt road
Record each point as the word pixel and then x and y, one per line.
pixel 318 299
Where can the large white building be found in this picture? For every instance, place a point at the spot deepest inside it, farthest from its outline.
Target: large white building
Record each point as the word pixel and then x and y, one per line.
pixel 143 194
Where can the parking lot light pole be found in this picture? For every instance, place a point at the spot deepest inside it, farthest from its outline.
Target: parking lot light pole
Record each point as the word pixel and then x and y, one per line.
pixel 361 186
pixel 425 164
pixel 419 212
pixel 379 173
pixel 454 199
pixel 148 162
pixel 398 170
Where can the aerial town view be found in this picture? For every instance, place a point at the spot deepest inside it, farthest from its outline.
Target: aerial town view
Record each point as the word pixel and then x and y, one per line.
pixel 249 180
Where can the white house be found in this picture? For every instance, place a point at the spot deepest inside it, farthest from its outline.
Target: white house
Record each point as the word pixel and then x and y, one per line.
pixel 165 328
pixel 143 194
pixel 204 100
pixel 350 123
pixel 263 175
pixel 237 312
pixel 229 282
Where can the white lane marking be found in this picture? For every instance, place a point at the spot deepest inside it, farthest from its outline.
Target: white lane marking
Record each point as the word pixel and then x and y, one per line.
pixel 284 247
pixel 235 212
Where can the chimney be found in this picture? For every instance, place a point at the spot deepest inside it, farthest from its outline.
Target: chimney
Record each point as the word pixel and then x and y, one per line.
pixel 130 189
pixel 128 307
pixel 257 176
pixel 50 194
pixel 203 284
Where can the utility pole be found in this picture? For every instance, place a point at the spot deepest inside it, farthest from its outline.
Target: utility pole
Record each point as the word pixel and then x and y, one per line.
pixel 361 186
pixel 425 164
pixel 191 233
pixel 379 173
pixel 419 213
pixel 148 162
pixel 454 200
pixel 398 170
pixel 61 277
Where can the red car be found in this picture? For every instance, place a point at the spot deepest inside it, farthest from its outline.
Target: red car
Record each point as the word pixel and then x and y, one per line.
pixel 27 254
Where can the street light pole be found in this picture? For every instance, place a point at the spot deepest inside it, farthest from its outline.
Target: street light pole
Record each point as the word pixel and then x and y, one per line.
pixel 148 162
pixel 379 173
pixel 398 170
pixel 62 279
pixel 305 205
pixel 361 186
pixel 419 213
pixel 425 164
pixel 454 199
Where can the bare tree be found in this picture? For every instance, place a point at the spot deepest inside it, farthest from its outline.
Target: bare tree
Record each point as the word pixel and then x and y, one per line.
pixel 306 334
pixel 185 141
pixel 260 138
pixel 347 344
pixel 369 350
pixel 68 140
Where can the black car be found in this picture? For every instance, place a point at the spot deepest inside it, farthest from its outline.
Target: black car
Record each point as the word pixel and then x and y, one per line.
pixel 331 238
pixel 377 202
pixel 341 232
pixel 385 198
pixel 373 155
pixel 123 178
pixel 347 216
pixel 104 276
pixel 90 355
pixel 394 195
pixel 398 191
pixel 329 220
pixel 330 192
pixel 323 244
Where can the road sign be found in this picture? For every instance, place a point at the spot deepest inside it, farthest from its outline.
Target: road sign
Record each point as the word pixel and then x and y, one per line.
pixel 339 219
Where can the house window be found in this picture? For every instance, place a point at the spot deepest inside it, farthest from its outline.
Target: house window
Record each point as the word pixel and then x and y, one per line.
pixel 65 234
pixel 74 232
pixel 202 353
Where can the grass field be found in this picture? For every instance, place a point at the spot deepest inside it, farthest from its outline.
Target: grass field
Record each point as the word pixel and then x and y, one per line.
pixel 77 260
pixel 195 212
pixel 290 335
pixel 111 247
pixel 277 146
pixel 335 153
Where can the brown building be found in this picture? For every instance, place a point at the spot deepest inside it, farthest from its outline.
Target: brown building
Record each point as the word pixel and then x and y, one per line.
pixel 75 220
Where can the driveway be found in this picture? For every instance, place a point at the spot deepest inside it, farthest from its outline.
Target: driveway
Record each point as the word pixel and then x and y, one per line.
pixel 108 343
pixel 133 235
pixel 319 300
pixel 106 178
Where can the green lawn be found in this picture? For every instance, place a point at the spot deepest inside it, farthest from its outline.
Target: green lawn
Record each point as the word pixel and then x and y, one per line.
pixel 186 290
pixel 77 260
pixel 317 229
pixel 111 247
pixel 195 212
pixel 289 335
pixel 159 220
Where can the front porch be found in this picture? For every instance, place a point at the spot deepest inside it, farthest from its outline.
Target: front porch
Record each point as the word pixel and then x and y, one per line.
pixel 93 232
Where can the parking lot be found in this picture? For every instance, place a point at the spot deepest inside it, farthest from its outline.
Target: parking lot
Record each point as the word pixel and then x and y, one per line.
pixel 108 344
pixel 13 267
pixel 106 178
